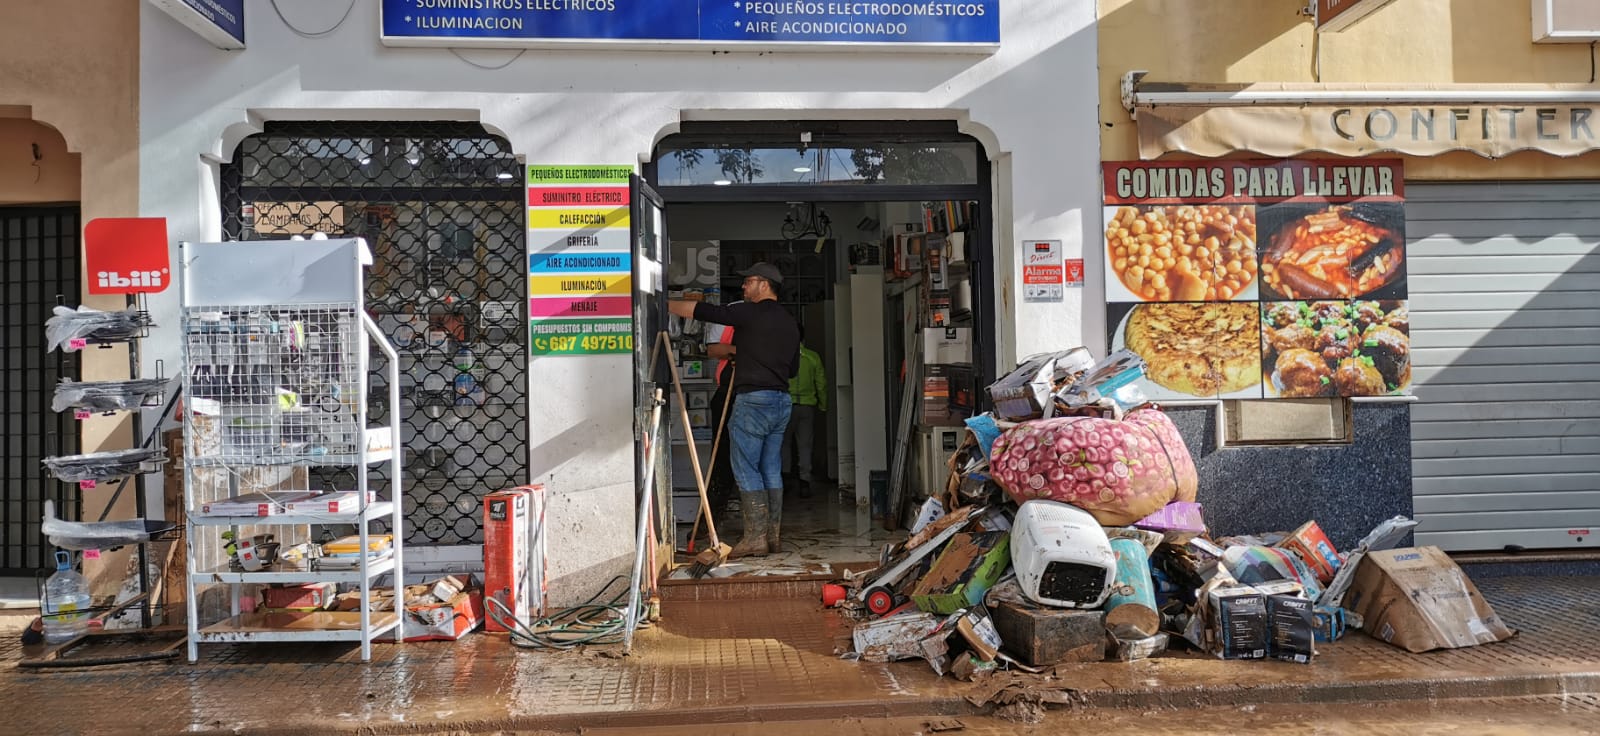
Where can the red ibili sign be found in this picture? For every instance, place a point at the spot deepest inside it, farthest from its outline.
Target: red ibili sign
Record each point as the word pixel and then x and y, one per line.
pixel 127 255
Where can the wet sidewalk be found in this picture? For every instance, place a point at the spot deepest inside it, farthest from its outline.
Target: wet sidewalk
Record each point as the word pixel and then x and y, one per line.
pixel 742 661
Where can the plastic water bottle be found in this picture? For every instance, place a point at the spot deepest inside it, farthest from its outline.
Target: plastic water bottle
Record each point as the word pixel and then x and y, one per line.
pixel 66 603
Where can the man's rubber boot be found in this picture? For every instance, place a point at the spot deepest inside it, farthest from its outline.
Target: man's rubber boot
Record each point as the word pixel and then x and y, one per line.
pixel 805 488
pixel 775 518
pixel 753 507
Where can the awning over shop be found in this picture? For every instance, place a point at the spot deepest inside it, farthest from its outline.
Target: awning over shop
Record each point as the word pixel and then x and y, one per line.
pixel 1284 120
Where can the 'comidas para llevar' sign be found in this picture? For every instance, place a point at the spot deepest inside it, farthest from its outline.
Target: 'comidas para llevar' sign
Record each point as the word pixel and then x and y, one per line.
pixel 919 25
pixel 580 260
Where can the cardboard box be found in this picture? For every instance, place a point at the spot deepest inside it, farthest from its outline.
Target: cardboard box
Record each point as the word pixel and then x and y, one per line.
pixel 1040 636
pixel 894 637
pixel 908 250
pixel 936 260
pixel 939 308
pixel 506 554
pixel 306 597
pixel 1328 623
pixel 1025 392
pixel 1293 628
pixel 947 345
pixel 434 621
pixel 338 503
pixel 514 551
pixel 1418 599
pixel 1311 545
pixel 1239 628
pixel 969 565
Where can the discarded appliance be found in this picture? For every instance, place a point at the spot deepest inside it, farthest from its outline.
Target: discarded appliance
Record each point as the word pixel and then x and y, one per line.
pixel 1061 555
pixel 1042 636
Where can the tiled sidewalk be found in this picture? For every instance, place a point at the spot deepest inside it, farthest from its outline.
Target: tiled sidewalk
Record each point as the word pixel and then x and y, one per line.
pixel 736 661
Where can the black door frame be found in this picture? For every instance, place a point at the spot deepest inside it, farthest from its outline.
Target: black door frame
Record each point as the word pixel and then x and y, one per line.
pixel 29 374
pixel 981 250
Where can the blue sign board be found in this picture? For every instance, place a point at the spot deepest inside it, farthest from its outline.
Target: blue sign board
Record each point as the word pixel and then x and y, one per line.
pixel 219 21
pixel 912 24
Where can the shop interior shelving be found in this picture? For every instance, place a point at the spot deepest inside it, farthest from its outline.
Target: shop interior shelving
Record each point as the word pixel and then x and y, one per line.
pixel 276 347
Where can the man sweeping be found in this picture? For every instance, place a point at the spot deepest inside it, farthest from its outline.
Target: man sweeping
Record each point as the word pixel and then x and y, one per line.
pixel 766 348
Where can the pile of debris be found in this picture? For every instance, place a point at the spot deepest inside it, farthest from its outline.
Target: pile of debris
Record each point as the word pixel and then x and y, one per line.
pixel 1069 532
pixel 441 609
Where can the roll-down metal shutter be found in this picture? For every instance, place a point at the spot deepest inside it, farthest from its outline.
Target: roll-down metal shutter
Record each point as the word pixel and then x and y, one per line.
pixel 1505 312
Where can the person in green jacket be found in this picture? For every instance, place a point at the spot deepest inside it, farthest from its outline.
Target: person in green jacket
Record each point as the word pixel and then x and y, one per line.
pixel 809 389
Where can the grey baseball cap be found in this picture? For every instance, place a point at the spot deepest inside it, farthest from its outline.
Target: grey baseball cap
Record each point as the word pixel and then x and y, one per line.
pixel 764 270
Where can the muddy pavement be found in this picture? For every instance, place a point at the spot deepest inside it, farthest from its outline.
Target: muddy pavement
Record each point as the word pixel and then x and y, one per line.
pixel 1543 716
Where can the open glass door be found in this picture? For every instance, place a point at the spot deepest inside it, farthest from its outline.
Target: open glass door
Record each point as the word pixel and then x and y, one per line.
pixel 650 321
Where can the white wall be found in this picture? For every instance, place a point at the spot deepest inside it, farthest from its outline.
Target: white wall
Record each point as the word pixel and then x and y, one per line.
pixel 1032 104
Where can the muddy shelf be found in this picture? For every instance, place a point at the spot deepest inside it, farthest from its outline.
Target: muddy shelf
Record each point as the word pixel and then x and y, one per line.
pixel 319 626
pixel 289 573
pixel 375 510
pixel 306 339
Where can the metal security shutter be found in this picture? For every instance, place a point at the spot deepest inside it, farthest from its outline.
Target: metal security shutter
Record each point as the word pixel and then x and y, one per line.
pixel 1505 335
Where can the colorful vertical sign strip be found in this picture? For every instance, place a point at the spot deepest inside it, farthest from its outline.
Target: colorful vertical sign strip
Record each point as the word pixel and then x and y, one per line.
pixel 580 260
pixel 1280 278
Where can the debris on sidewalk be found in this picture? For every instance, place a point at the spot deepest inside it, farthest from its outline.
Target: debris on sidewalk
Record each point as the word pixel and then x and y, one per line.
pixel 1068 531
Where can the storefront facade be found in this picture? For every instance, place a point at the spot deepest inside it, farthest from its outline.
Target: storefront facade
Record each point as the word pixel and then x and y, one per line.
pixel 1491 444
pixel 68 154
pixel 223 132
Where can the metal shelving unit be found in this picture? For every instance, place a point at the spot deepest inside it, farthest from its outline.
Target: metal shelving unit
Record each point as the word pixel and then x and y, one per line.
pixel 276 349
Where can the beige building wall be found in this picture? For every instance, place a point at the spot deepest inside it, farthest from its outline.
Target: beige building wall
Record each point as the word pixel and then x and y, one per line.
pixel 1406 42
pixel 70 82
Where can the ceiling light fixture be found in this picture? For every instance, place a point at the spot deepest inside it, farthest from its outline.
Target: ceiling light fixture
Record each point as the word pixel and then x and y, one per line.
pixel 806 220
pixel 722 182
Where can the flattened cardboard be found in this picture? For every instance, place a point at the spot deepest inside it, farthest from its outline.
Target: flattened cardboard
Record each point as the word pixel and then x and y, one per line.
pixel 969 565
pixel 1418 599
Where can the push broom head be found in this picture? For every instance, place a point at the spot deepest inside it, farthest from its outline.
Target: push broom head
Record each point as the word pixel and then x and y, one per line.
pixel 712 556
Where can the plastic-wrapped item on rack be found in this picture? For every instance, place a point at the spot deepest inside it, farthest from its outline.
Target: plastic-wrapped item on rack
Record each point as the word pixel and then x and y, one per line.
pixel 92 324
pixel 98 466
pixel 99 535
pixel 99 396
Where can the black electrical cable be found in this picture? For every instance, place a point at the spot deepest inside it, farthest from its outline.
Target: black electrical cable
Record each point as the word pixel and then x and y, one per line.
pixel 313 34
pixel 585 624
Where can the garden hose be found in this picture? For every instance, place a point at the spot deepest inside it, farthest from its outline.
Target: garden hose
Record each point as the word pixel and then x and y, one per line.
pixel 588 623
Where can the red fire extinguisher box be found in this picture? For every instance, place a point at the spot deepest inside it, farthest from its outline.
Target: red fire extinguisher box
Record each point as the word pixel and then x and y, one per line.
pixel 514 554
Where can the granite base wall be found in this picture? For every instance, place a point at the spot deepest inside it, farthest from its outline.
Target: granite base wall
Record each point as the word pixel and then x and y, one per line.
pixel 1347 489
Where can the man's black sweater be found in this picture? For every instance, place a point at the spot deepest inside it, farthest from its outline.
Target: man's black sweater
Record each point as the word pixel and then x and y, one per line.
pixel 766 340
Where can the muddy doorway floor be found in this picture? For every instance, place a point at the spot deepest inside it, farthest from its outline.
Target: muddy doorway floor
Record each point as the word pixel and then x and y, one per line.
pixel 823 534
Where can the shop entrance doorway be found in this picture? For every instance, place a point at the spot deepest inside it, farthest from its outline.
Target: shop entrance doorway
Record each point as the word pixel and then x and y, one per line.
pixel 882 233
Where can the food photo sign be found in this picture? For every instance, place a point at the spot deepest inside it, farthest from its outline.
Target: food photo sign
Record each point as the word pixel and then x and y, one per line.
pixel 1281 278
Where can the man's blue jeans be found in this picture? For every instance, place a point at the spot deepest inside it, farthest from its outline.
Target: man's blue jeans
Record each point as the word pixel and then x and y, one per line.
pixel 756 425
